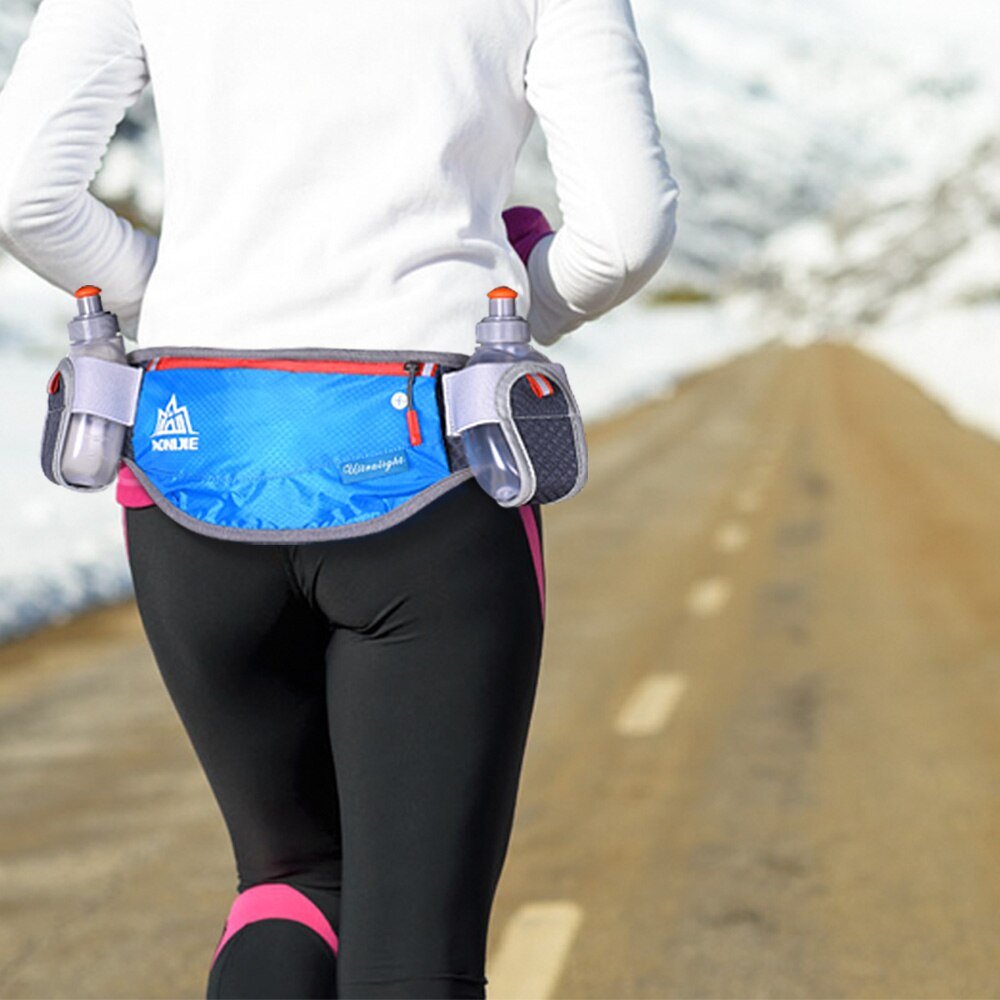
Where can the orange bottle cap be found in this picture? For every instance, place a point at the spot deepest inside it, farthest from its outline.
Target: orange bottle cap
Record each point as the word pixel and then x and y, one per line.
pixel 502 292
pixel 84 290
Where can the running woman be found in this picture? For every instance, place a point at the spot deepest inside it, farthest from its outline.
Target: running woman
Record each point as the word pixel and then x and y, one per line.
pixel 335 176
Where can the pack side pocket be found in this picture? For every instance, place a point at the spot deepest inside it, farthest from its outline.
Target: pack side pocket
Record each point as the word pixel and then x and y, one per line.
pixel 61 387
pixel 541 421
pixel 84 385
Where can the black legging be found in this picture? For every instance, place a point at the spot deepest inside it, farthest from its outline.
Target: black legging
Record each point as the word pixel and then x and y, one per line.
pixel 360 708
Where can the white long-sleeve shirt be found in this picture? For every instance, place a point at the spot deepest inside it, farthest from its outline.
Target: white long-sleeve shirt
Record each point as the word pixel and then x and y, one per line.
pixel 335 172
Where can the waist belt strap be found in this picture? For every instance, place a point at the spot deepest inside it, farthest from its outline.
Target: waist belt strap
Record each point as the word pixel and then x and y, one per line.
pixel 107 389
pixel 470 396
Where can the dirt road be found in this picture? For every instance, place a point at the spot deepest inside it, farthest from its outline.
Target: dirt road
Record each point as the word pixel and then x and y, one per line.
pixel 765 758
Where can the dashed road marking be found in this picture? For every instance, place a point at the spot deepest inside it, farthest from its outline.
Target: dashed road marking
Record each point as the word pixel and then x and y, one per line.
pixel 731 536
pixel 533 949
pixel 708 597
pixel 650 705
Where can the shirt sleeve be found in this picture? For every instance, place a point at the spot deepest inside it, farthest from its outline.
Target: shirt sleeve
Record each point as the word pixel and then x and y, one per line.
pixel 78 71
pixel 587 79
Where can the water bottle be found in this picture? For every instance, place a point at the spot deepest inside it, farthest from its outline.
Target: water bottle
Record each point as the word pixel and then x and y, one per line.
pixel 502 336
pixel 93 444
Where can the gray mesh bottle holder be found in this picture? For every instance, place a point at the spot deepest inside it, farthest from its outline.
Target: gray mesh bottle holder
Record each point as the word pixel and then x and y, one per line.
pixel 539 418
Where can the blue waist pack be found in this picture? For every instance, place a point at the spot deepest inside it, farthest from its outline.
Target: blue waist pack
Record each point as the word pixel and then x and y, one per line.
pixel 292 446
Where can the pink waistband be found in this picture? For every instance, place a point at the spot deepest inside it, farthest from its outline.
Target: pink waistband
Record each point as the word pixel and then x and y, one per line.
pixel 130 492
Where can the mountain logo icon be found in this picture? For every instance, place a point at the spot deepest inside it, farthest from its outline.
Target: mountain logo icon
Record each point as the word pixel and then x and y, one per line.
pixel 173 419
pixel 174 430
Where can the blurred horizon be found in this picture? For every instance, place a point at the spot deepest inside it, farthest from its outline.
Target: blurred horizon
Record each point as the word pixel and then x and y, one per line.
pixel 839 167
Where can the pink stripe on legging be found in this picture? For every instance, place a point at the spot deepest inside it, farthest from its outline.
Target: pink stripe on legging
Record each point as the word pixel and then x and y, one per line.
pixel 271 900
pixel 535 542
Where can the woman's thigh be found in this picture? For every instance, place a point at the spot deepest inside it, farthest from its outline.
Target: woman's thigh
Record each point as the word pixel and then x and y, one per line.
pixel 242 657
pixel 432 669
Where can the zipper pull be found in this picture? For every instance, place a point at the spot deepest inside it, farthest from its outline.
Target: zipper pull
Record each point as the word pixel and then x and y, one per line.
pixel 412 418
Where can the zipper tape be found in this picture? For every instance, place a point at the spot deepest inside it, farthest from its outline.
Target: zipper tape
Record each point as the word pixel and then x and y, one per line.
pixel 410 369
pixel 425 368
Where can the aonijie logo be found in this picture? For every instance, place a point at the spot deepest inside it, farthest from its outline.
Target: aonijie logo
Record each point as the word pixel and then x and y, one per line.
pixel 173 429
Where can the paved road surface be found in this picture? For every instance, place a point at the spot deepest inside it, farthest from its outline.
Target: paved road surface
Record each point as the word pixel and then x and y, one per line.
pixel 765 759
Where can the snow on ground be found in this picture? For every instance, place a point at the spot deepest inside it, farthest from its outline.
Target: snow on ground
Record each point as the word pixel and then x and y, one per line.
pixel 913 247
pixel 953 355
pixel 637 352
pixel 63 551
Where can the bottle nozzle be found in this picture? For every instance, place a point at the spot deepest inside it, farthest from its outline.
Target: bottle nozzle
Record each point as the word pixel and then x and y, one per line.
pixel 88 300
pixel 503 301
pixel 92 321
pixel 502 325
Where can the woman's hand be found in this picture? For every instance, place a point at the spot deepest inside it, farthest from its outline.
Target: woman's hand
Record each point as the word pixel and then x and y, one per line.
pixel 525 227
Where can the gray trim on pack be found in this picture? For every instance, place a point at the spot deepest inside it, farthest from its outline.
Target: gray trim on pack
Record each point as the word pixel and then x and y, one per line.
pixel 299 354
pixel 299 535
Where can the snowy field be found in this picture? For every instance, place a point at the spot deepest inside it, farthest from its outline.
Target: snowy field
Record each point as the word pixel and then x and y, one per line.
pixel 64 551
pixel 953 356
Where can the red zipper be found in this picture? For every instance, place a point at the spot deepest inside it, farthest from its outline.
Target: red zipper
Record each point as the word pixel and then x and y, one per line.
pixel 409 368
pixel 294 365
pixel 412 419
